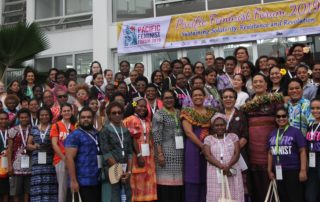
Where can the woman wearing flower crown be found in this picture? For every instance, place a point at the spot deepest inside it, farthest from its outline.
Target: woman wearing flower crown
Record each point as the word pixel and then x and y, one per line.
pixel 261 115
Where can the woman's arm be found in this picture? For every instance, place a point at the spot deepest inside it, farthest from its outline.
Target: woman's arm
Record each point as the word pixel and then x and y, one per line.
pixel 30 145
pixel 211 159
pixel 270 172
pixel 303 165
pixel 236 154
pixel 56 148
pixel 187 127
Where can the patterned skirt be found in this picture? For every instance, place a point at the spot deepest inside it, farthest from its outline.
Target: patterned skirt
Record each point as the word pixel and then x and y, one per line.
pixel 43 184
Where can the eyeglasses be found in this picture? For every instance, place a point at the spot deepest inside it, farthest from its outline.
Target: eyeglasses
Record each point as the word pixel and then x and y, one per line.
pixel 227 97
pixel 116 112
pixel 62 96
pixel 281 116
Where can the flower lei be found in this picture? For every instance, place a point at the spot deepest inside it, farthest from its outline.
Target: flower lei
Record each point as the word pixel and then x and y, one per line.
pixel 255 103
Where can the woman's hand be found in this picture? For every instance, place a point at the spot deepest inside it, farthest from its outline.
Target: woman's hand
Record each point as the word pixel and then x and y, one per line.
pixel 303 176
pixel 125 178
pixel 271 175
pixel 141 161
pixel 161 159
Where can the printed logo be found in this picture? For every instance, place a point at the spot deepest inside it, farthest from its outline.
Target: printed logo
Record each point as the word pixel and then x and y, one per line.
pixel 130 36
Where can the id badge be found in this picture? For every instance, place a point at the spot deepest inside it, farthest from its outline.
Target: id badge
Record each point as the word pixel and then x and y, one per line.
pixel 42 157
pixel 219 175
pixel 124 167
pixel 145 150
pixel 25 161
pixel 4 162
pixel 312 159
pixel 99 160
pixel 179 142
pixel 279 172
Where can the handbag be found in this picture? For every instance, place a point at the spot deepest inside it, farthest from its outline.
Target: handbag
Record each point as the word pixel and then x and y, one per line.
pixel 272 192
pixel 115 173
pixel 79 197
pixel 3 167
pixel 225 194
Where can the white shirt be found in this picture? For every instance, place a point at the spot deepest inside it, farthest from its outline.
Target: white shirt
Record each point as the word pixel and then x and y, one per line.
pixel 241 99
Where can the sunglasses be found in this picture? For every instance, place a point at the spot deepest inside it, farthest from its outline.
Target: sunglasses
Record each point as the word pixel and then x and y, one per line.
pixel 62 96
pixel 281 116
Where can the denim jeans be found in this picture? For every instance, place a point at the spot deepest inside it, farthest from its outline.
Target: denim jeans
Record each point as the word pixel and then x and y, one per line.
pixel 313 183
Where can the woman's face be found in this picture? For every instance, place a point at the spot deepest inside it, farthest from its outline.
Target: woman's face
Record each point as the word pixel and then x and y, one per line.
pixel 11 104
pixel 95 68
pixel 133 76
pixel 211 78
pixel 44 117
pixel 245 69
pixel 275 75
pixel 187 71
pixel 141 86
pixel 197 97
pixel 30 77
pixel 116 115
pixel 66 112
pixel 141 108
pixel 37 92
pixel 140 69
pixel 119 78
pixel 199 69
pixel 198 83
pixel 302 74
pixel 98 81
pixel 259 84
pixel 237 82
pixel 122 88
pixel 295 91
pixel 120 100
pixel 166 67
pixel 242 56
pixel 94 105
pixel 109 90
pixel 263 64
pixel 72 87
pixel 181 81
pixel 52 75
pixel 33 106
pixel 109 76
pixel 315 109
pixel 219 126
pixel 271 63
pixel 15 87
pixel 298 52
pixel 72 76
pixel 82 95
pixel 151 93
pixel 291 62
pixel 168 100
pixel 61 79
pixel 228 99
pixel 158 78
pixel 48 98
pixel 282 118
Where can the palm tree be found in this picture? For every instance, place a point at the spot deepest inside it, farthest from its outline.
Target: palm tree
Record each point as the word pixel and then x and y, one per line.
pixel 19 43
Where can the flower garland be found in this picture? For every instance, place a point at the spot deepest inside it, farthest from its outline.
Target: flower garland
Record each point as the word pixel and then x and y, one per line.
pixel 256 102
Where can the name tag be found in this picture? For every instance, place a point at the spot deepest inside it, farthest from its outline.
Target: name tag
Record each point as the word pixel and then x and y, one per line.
pixel 4 162
pixel 179 142
pixel 145 150
pixel 42 157
pixel 312 159
pixel 99 160
pixel 124 167
pixel 279 172
pixel 25 161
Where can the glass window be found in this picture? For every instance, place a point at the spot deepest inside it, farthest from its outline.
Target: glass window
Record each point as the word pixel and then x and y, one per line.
pixel 229 49
pixel 78 6
pixel 132 59
pixel 198 54
pixel 158 58
pixel 43 64
pixel 63 62
pixel 178 7
pixel 216 4
pixel 83 61
pixel 134 9
pixel 48 8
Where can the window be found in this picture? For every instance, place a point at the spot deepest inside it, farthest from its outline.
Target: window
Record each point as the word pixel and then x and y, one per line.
pixel 158 58
pixel 132 59
pixel 216 4
pixel 133 9
pixel 78 6
pixel 198 54
pixel 82 63
pixel 229 49
pixel 179 6
pixel 48 8
pixel 43 64
pixel 63 62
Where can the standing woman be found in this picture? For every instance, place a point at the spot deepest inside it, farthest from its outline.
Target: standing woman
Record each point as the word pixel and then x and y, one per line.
pixel 157 80
pixel 302 54
pixel 95 90
pixel 239 82
pixel 242 55
pixel 51 80
pixel 222 151
pixel 309 89
pixel 4 178
pixel 248 71
pixel 98 114
pixel 28 82
pixel 72 91
pixel 277 83
pixel 58 133
pixel 260 111
pixel 210 86
pixel 43 182
pixel 287 148
pixel 196 123
pixel 169 150
pixel 14 88
pixel 198 69
pixel 116 147
pixel 143 179
pixel 188 71
pixel 95 67
pixel 165 68
pixel 34 108
pixel 313 140
pixel 153 103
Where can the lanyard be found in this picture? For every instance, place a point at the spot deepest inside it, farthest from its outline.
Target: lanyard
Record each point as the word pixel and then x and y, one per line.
pixel 96 125
pixel 158 88
pixel 143 123
pixel 24 139
pixel 222 147
pixel 100 91
pixel 34 123
pixel 43 135
pixel 4 138
pixel 121 139
pixel 67 127
pixel 173 115
pixel 184 93
pixel 278 139
pixel 134 88
pixel 230 118
pixel 93 137
pixel 290 75
pixel 154 107
pixel 229 78
pixel 312 134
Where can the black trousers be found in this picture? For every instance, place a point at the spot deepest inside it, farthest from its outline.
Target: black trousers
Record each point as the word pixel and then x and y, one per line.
pixel 290 189
pixel 87 193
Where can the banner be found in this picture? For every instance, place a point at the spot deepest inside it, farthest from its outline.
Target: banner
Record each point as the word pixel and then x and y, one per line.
pixel 263 21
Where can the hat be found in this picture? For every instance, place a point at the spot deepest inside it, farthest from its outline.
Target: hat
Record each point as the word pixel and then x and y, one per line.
pixel 217 116
pixel 115 173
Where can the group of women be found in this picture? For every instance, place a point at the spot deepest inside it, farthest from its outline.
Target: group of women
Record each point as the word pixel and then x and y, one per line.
pixel 190 134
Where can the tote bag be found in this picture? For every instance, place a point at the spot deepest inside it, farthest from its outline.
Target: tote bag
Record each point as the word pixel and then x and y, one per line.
pixel 272 192
pixel 225 194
